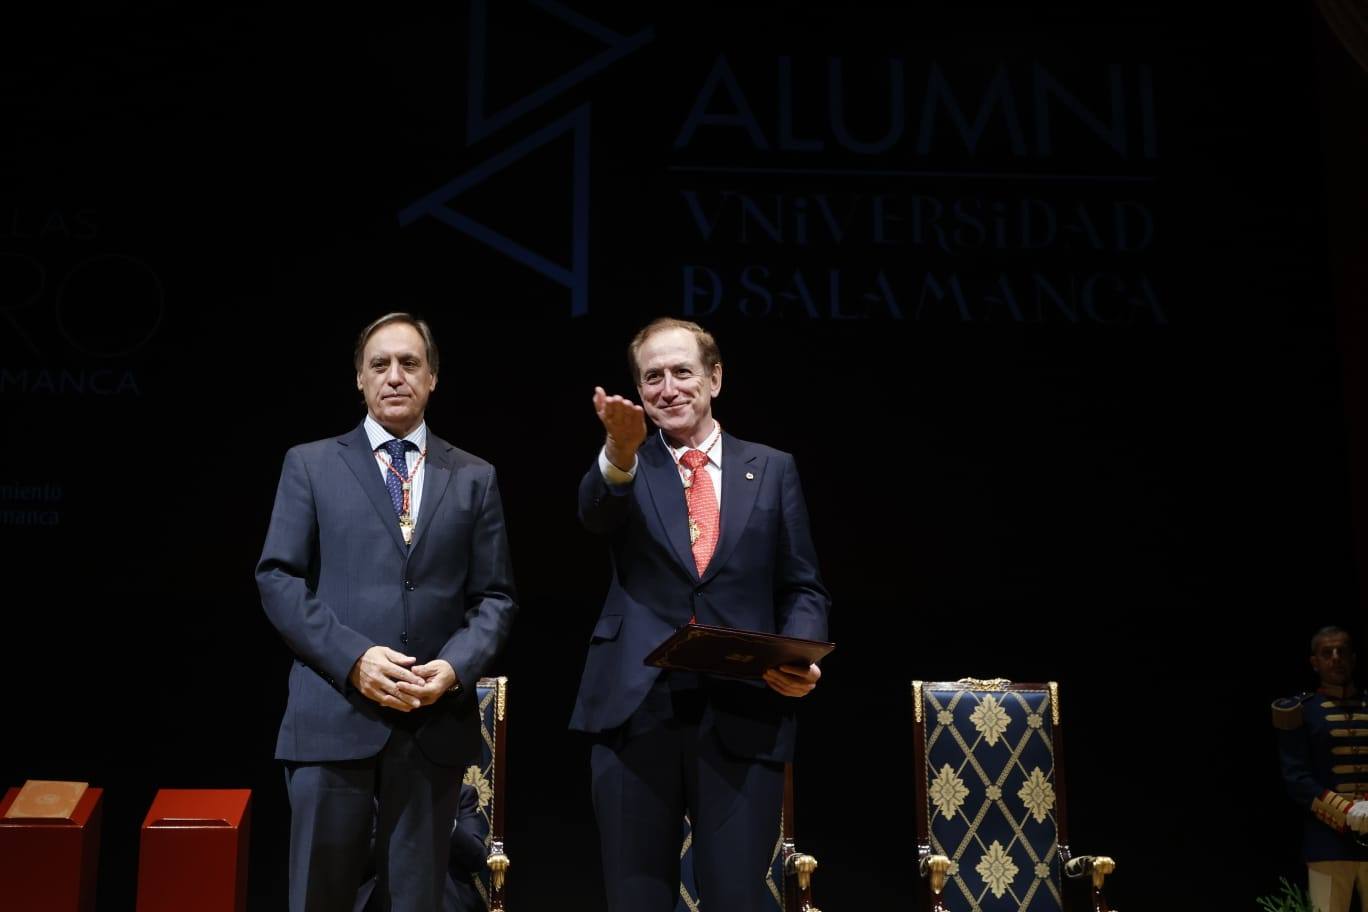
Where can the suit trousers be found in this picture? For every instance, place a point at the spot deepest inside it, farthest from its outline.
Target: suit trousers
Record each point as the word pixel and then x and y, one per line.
pixel 1331 884
pixel 667 760
pixel 405 800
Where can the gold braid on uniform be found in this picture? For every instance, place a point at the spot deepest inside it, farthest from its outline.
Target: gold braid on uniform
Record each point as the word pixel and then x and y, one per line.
pixel 1332 810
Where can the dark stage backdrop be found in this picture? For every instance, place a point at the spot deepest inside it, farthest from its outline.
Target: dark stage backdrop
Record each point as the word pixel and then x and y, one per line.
pixel 1038 294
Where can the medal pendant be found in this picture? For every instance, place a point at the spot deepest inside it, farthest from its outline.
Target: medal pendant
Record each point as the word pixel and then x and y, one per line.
pixel 688 481
pixel 406 528
pixel 694 531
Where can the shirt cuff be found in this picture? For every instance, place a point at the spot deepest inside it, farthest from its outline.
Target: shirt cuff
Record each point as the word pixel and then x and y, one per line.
pixel 612 474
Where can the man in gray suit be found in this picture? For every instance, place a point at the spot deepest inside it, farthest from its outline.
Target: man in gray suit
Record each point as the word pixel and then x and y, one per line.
pixel 386 571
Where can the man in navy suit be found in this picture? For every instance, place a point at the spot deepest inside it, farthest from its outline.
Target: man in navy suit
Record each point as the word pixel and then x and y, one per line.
pixel 386 571
pixel 701 526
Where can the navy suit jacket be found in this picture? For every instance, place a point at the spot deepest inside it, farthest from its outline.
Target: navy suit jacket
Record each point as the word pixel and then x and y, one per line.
pixel 763 575
pixel 336 578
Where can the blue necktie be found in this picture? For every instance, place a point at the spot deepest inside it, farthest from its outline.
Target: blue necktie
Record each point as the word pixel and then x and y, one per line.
pixel 396 450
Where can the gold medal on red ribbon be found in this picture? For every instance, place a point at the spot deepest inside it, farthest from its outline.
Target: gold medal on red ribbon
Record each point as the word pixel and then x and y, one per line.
pixel 405 485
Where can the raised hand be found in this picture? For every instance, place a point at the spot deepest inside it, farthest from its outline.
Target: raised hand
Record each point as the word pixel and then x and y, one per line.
pixel 625 424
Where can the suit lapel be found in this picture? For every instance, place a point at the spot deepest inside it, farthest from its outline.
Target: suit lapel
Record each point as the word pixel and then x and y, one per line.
pixel 436 476
pixel 666 491
pixel 738 497
pixel 357 454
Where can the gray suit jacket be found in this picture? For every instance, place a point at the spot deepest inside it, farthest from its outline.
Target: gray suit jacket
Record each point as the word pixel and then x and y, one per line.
pixel 336 578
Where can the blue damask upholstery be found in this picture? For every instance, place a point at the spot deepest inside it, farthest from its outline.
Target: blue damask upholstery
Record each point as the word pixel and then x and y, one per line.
pixel 991 795
pixel 488 778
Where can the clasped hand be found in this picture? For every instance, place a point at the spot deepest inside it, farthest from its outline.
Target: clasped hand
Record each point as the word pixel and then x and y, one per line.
pixel 390 678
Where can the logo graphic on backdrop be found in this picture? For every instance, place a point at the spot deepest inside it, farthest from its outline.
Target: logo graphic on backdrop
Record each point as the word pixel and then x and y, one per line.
pixel 826 187
pixel 481 123
pixel 30 504
pixel 73 316
pixel 957 205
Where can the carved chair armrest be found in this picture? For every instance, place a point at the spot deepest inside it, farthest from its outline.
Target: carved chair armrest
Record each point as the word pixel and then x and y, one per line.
pixel 1099 866
pixel 800 867
pixel 499 864
pixel 935 868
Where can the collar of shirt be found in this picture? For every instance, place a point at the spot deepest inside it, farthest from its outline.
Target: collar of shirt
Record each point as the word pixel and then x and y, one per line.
pixel 714 454
pixel 378 435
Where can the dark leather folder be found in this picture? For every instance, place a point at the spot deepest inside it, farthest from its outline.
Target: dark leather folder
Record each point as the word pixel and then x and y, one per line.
pixel 733 653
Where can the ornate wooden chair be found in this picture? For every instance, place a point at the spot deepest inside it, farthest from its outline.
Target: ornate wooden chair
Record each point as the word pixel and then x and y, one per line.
pixel 991 813
pixel 789 877
pixel 490 780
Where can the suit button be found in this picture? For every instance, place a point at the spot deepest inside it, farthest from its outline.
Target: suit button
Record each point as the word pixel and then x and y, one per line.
pixel 403 638
pixel 698 593
pixel 408 584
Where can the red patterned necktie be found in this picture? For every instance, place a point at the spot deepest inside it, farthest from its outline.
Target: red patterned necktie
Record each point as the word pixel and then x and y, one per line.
pixel 704 521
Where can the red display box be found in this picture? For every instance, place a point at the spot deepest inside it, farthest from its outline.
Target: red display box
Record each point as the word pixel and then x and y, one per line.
pixel 48 865
pixel 194 851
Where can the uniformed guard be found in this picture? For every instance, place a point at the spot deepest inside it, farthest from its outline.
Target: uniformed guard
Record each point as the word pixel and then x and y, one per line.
pixel 1323 747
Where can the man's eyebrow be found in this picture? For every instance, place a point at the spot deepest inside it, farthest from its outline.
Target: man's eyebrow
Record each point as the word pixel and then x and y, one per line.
pixel 655 369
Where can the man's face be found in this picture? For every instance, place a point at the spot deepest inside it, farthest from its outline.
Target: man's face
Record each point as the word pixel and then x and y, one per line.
pixel 1333 659
pixel 676 391
pixel 395 377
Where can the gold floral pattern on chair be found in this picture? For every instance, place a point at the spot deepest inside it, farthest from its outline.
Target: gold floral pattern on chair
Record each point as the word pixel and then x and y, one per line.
pixel 990 720
pixel 483 787
pixel 1037 794
pixel 1003 838
pixel 997 869
pixel 947 791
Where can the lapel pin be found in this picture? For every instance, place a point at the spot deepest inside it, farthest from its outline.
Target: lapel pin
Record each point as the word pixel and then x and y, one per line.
pixel 750 476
